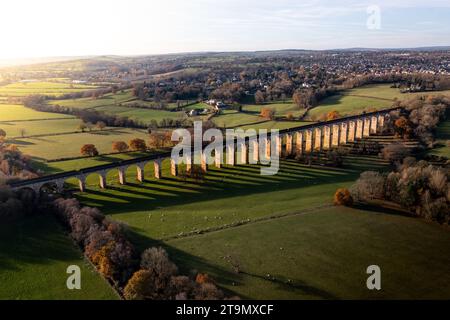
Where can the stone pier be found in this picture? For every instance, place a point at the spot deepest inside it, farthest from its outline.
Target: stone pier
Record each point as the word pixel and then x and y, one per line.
pixel 344 132
pixel 351 131
pixel 218 156
pixel 102 180
pixel 122 175
pixel 336 135
pixel 366 131
pixel 188 160
pixel 231 154
pixel 82 185
pixel 326 137
pixel 267 147
pixel 318 139
pixel 278 145
pixel 244 153
pixel 299 142
pixel 204 162
pixel 374 125
pixel 173 168
pixel 289 140
pixel 158 168
pixel 359 129
pixel 140 173
pixel 309 141
pixel 381 121
pixel 255 146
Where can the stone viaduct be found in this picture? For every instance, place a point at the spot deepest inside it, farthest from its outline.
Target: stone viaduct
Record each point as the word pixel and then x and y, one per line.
pixel 304 139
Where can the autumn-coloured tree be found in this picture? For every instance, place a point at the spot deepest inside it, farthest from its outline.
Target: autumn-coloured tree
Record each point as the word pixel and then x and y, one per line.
pixel 139 287
pixel 332 115
pixel 119 146
pixel 267 113
pixel 89 150
pixel 137 145
pixel 100 125
pixel 158 140
pixel 2 133
pixel 203 278
pixel 342 197
pixel 403 127
pixel 290 116
pixel 103 262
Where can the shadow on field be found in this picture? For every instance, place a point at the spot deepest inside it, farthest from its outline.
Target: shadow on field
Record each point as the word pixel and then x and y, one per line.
pixel 295 286
pixel 20 142
pixel 34 240
pixel 189 264
pixel 382 210
pixel 227 182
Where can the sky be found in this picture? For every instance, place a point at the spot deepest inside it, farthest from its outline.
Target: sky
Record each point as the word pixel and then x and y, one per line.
pixel 51 28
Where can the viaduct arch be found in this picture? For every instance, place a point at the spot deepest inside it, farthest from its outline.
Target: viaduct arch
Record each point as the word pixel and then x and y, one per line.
pixel 305 139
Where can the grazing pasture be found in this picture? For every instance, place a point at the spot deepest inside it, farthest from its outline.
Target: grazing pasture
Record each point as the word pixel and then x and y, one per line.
pixel 324 254
pixel 289 242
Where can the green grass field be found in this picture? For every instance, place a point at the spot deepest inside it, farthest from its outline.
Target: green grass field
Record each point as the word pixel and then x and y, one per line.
pixel 142 115
pixel 15 112
pixel 324 255
pixel 281 108
pixel 21 89
pixel 249 117
pixel 291 231
pixel 368 97
pixel 13 129
pixel 69 145
pixel 347 105
pixel 89 103
pixel 34 256
pixel 233 118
